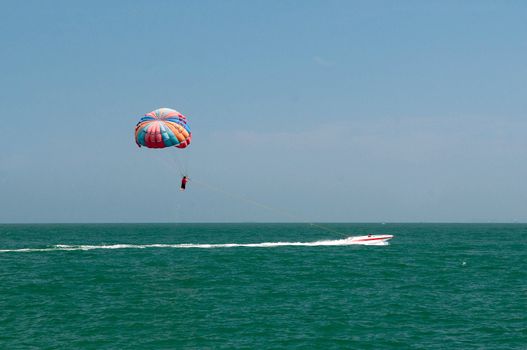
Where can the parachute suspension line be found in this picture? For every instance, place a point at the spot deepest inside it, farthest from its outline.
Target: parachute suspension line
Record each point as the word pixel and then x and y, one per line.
pixel 172 162
pixel 180 164
pixel 264 206
pixel 169 163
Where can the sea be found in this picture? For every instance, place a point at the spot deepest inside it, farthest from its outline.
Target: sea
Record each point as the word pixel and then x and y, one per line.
pixel 231 286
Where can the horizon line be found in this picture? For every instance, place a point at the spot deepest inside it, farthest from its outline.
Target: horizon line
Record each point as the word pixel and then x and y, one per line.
pixel 265 222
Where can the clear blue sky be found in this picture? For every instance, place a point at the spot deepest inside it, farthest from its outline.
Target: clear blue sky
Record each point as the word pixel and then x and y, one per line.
pixel 333 110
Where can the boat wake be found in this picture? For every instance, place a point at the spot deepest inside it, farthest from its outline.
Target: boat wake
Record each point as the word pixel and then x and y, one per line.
pixel 361 240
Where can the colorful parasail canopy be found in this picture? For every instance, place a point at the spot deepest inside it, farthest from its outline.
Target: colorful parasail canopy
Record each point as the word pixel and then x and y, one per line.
pixel 162 128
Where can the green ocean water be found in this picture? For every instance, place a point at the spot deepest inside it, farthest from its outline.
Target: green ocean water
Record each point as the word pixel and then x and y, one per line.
pixel 436 286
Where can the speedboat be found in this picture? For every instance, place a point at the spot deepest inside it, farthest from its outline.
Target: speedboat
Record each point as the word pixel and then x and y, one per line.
pixel 370 239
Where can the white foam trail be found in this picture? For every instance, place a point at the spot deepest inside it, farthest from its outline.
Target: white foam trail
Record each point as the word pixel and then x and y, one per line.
pixel 66 247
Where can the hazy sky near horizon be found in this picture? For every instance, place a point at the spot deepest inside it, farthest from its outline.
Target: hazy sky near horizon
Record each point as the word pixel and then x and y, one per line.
pixel 347 111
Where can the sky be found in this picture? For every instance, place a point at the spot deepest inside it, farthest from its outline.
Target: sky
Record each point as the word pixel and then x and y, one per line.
pixel 318 111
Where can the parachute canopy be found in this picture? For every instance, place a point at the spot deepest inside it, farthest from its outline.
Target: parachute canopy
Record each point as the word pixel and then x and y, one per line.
pixel 162 128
